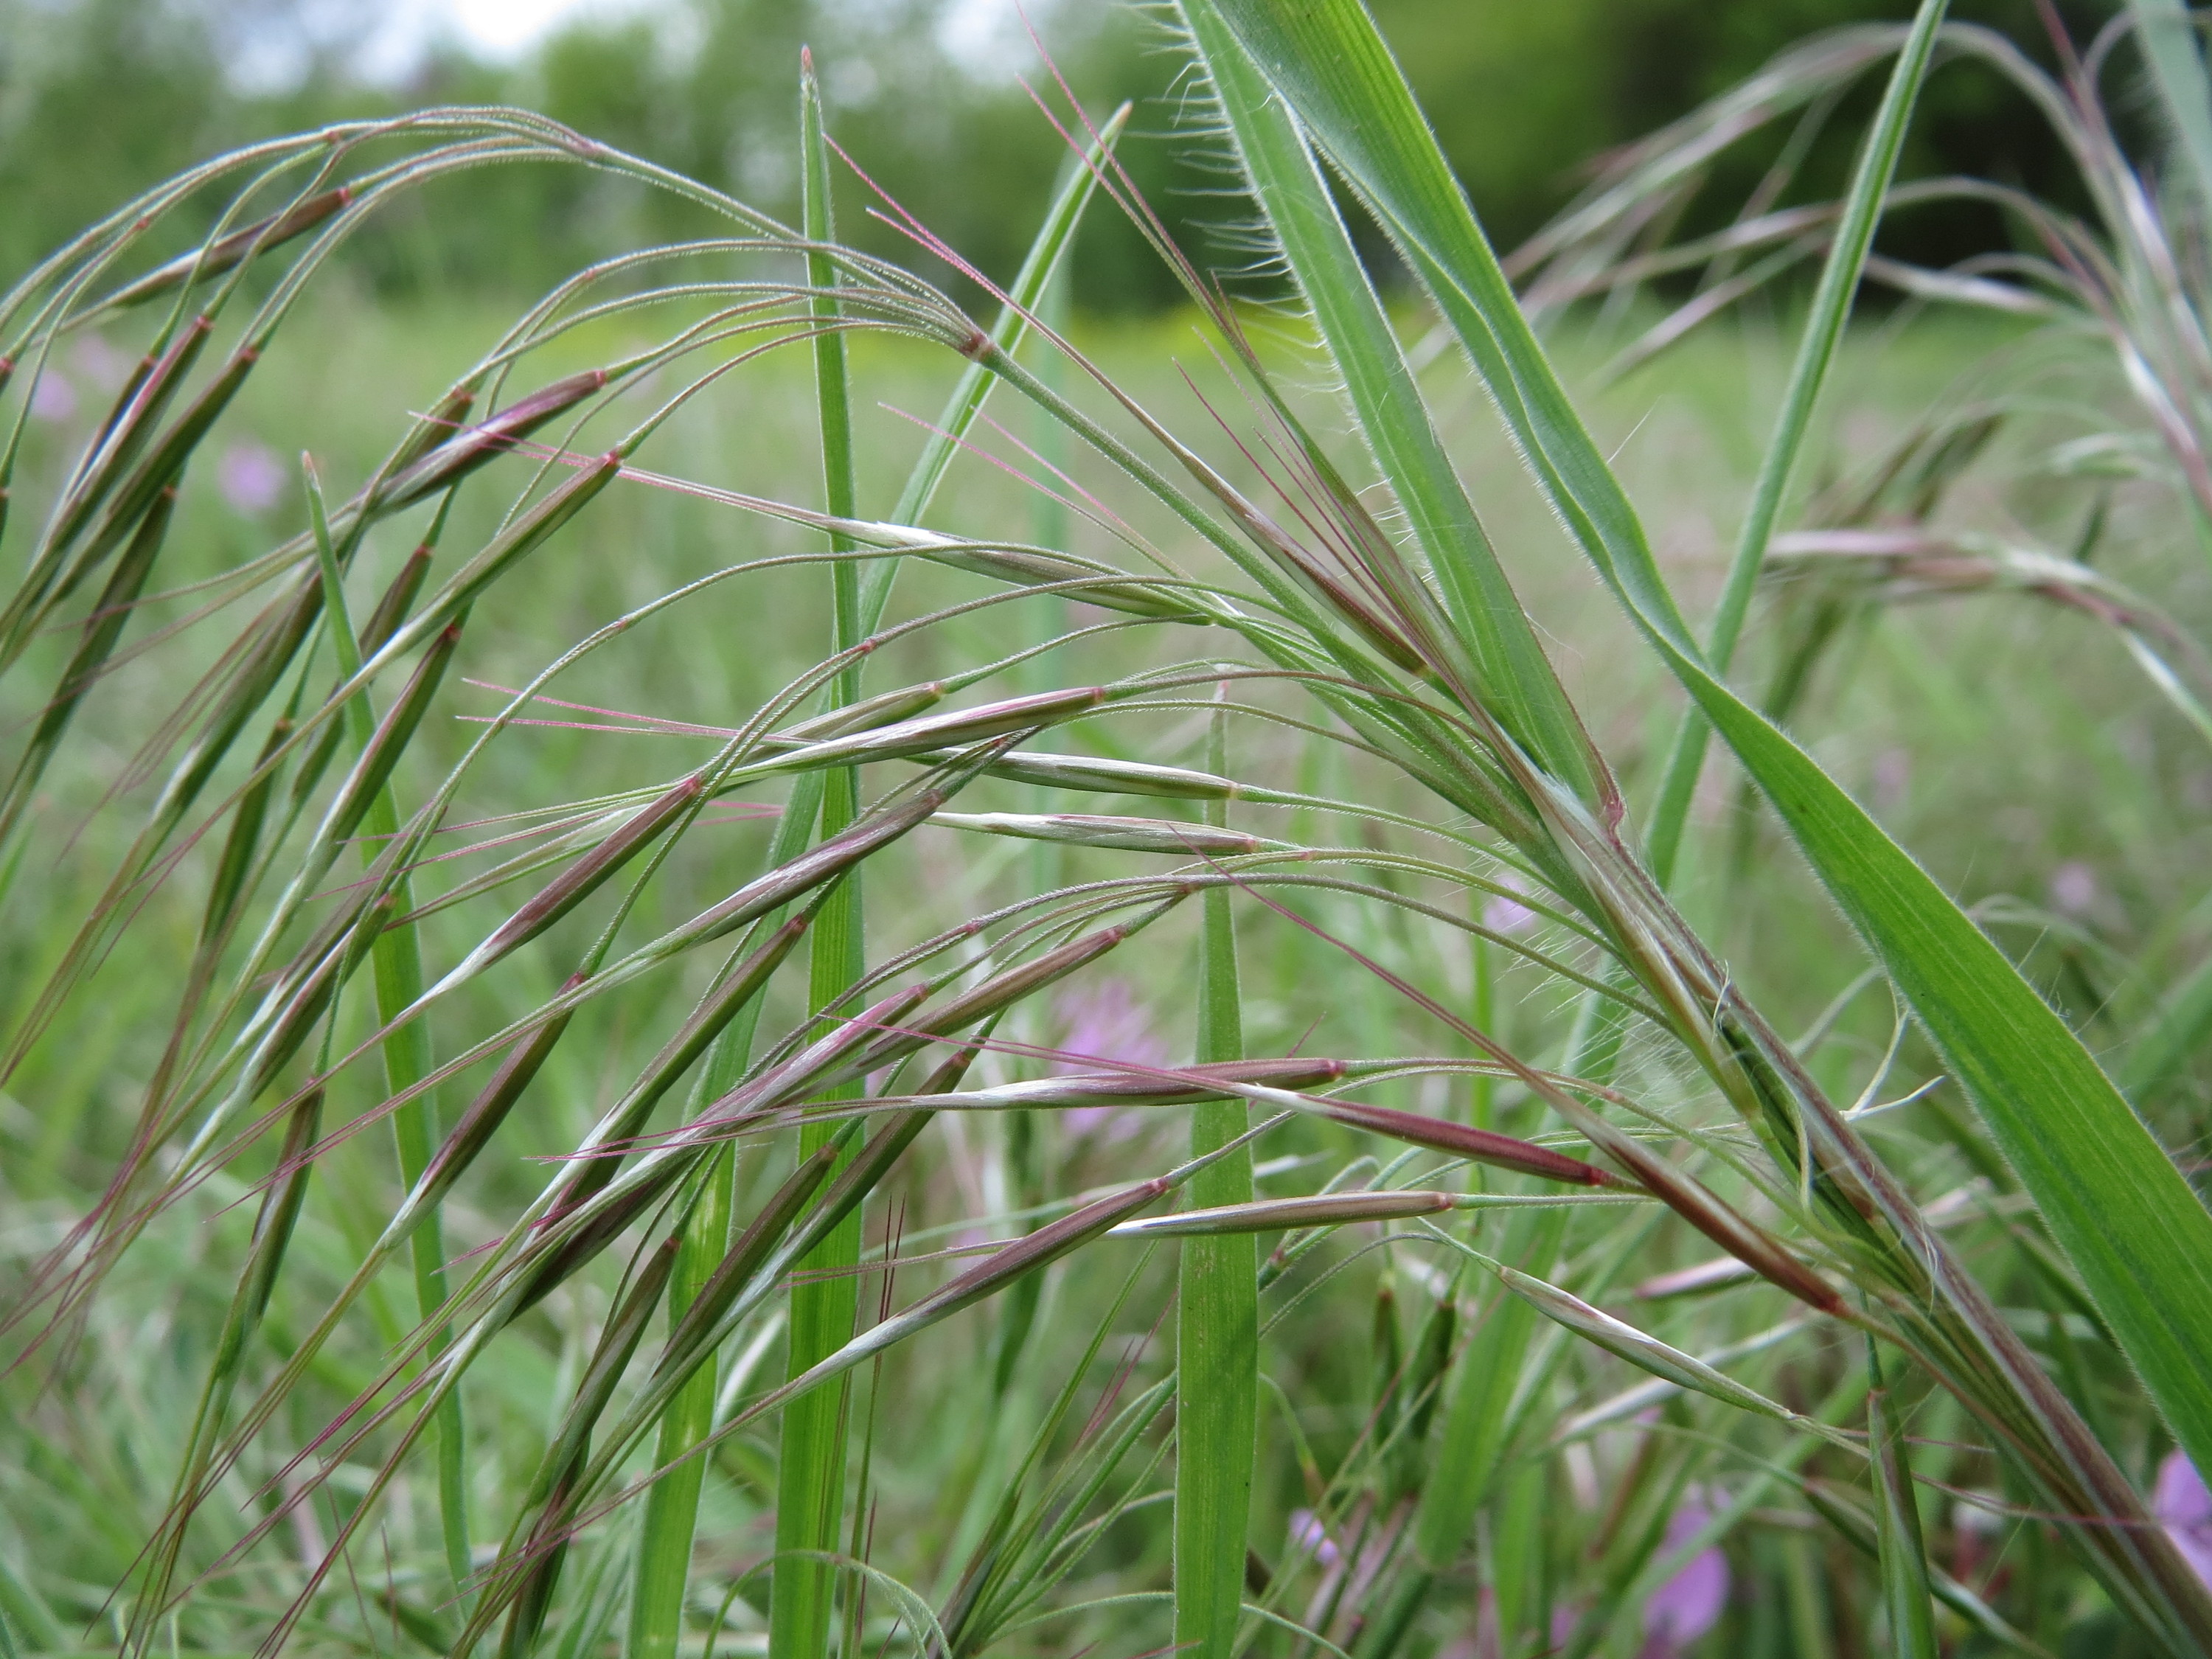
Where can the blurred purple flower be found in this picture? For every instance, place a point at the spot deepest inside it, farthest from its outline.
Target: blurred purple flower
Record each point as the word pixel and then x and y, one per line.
pixel 1689 1604
pixel 1504 915
pixel 1893 777
pixel 250 476
pixel 1307 1533
pixel 2072 888
pixel 1103 1022
pixel 2183 1508
pixel 52 399
pixel 106 366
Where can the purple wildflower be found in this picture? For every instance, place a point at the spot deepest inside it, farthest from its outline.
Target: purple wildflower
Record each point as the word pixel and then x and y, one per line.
pixel 2072 888
pixel 53 399
pixel 1503 913
pixel 250 476
pixel 1307 1534
pixel 1506 915
pixel 105 365
pixel 1690 1603
pixel 1105 1024
pixel 1892 778
pixel 2181 1505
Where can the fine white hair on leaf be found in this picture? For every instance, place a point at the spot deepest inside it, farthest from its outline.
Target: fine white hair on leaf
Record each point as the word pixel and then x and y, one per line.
pixel 1262 281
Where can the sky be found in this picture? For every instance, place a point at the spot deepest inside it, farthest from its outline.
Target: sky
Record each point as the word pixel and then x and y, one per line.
pixel 502 29
pixel 505 29
pixel 499 29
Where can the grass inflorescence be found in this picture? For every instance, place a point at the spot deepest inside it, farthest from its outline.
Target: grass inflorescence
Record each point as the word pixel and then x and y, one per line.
pixel 1127 1023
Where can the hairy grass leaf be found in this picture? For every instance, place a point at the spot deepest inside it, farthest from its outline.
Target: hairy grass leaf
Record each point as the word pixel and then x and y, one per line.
pixel 2069 1133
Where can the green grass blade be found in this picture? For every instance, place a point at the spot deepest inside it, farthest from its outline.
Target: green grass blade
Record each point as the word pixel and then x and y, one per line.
pixel 2177 67
pixel 1816 352
pixel 1331 65
pixel 1470 1450
pixel 1511 671
pixel 272 1230
pixel 1904 1555
pixel 810 1472
pixel 2174 1038
pixel 2081 1153
pixel 1007 331
pixel 1217 1322
pixel 1862 1532
pixel 671 1508
pixel 396 963
pixel 24 1613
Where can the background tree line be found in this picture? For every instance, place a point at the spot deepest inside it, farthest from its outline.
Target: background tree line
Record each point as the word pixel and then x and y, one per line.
pixel 97 97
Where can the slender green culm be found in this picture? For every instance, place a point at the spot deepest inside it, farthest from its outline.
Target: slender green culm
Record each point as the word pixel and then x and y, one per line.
pixel 1808 373
pixel 810 1473
pixel 1472 1442
pixel 1904 1554
pixel 396 961
pixel 1047 251
pixel 1482 1010
pixel 1217 1318
pixel 671 1508
pixel 671 1514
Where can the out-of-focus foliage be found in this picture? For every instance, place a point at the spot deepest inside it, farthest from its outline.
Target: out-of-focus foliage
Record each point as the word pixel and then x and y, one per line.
pixel 93 96
pixel 1523 96
pixel 98 95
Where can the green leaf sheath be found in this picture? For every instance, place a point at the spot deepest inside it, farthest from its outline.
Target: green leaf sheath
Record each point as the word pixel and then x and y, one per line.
pixel 2080 1152
pixel 1217 1322
pixel 396 963
pixel 1903 1554
pixel 811 1473
pixel 1816 352
pixel 672 1507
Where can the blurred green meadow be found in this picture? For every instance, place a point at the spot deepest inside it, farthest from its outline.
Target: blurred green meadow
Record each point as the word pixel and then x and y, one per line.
pixel 2009 742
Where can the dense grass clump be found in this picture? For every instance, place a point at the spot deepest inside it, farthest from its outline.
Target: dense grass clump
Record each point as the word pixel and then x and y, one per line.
pixel 785 971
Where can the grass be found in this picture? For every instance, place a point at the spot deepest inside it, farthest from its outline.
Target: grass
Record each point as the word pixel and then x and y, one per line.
pixel 1027 1409
pixel 2044 822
